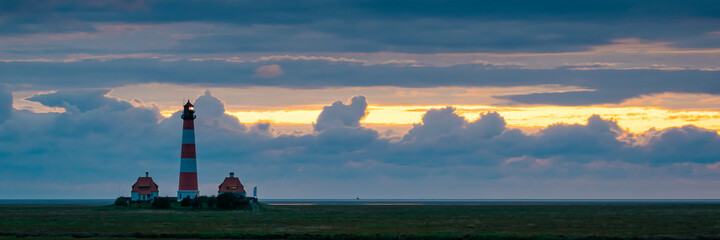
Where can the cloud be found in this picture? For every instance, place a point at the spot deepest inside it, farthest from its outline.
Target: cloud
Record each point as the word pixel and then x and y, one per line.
pixel 82 100
pixel 110 141
pixel 608 86
pixel 437 122
pixel 373 26
pixel 210 104
pixel 211 118
pixel 6 102
pixel 488 125
pixel 309 58
pixel 341 115
pixel 448 35
pixel 682 144
pixel 268 71
pixel 598 138
pixel 113 145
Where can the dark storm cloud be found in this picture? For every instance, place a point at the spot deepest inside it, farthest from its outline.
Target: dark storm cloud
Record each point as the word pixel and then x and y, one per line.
pixel 609 86
pixel 371 26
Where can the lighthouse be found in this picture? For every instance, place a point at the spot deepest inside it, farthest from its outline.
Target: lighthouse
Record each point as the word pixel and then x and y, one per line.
pixel 188 187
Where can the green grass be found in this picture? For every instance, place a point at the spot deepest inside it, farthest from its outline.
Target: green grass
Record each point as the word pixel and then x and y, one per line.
pixel 370 222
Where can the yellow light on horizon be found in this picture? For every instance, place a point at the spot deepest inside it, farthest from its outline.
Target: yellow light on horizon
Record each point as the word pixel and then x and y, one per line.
pixel 297 116
pixel 633 119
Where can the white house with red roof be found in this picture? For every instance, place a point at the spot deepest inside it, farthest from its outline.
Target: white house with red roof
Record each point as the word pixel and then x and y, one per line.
pixel 144 189
pixel 231 184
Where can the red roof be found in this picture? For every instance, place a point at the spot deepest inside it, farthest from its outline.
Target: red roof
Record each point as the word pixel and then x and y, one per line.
pixel 231 184
pixel 144 186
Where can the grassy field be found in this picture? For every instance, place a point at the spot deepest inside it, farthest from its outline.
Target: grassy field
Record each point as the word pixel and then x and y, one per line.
pixel 370 222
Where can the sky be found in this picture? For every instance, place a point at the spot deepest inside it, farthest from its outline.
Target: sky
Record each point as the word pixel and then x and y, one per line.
pixel 512 99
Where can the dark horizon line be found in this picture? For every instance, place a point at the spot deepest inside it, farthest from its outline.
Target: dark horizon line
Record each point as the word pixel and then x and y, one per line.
pixel 413 199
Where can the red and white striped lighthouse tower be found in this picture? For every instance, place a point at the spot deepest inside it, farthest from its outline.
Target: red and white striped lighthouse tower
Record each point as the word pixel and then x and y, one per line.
pixel 188 164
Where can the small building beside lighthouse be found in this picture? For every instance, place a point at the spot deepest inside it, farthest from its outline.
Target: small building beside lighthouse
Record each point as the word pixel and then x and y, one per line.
pixel 232 184
pixel 144 189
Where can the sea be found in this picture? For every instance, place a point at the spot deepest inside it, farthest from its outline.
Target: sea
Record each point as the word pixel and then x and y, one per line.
pixel 102 202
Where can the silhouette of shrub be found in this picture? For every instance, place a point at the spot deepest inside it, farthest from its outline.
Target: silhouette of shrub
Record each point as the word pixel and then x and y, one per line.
pixel 211 201
pixel 187 202
pixel 160 203
pixel 200 201
pixel 122 201
pixel 226 201
pixel 232 201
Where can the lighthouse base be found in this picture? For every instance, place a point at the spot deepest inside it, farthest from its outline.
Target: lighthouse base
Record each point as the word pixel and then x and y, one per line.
pixel 187 194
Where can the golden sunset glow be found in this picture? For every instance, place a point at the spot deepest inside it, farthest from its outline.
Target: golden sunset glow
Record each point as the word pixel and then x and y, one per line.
pixel 633 119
